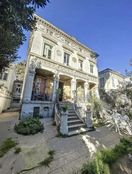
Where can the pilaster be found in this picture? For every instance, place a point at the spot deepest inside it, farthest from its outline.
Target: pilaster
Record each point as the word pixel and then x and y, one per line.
pixel 29 86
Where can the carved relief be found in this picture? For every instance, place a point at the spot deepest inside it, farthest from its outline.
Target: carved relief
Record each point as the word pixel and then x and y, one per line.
pixel 4 91
pixel 59 53
pixel 40 63
pixel 74 59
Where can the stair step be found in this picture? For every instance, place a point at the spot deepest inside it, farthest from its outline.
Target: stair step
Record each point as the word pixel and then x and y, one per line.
pixel 74 122
pixel 77 125
pixel 79 131
pixel 69 114
pixel 72 118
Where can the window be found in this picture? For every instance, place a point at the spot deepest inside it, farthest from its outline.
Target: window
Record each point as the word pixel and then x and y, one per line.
pixel 36 111
pixel 91 68
pixel 102 82
pixel 47 51
pixel 18 89
pixel 66 59
pixel 3 75
pixel 80 62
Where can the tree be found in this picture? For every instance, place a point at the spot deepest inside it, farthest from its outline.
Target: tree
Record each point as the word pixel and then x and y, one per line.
pixel 15 17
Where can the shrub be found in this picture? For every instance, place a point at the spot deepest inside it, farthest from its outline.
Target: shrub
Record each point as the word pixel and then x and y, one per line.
pixel 29 126
pixel 105 158
pixel 88 168
pixel 96 106
pixel 49 159
pixel 6 146
pixel 17 150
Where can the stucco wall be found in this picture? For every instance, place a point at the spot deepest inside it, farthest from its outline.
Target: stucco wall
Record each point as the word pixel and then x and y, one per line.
pixel 58 49
pixel 4 103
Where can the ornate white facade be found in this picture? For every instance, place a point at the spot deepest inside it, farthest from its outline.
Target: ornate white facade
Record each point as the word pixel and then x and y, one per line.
pixel 56 61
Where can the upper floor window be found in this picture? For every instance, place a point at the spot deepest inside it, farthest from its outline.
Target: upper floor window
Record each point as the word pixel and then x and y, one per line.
pixel 91 68
pixel 80 63
pixel 47 50
pixel 102 82
pixel 66 59
pixel 3 75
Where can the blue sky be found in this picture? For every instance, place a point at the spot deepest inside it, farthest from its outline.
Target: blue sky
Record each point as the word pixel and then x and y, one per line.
pixel 103 25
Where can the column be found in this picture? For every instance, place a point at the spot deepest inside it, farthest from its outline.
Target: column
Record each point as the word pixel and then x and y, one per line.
pixel 55 86
pixel 73 88
pixel 86 91
pixel 97 91
pixel 28 86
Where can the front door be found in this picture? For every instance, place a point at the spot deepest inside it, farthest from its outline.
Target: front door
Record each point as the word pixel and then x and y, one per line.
pixel 61 84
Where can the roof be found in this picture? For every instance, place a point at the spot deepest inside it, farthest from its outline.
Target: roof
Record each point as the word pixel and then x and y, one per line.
pixel 108 70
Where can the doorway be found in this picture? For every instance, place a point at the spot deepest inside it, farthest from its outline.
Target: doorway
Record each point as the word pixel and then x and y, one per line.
pixel 61 85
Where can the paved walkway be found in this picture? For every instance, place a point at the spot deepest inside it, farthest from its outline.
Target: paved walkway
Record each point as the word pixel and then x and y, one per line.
pixel 70 152
pixel 7 121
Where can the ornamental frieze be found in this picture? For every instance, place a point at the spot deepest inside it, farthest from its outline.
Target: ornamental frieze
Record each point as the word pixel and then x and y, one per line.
pixel 41 63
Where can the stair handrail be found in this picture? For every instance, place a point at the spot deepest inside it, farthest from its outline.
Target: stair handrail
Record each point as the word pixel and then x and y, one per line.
pixel 57 117
pixel 79 110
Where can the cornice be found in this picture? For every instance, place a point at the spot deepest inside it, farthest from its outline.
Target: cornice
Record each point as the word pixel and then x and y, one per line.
pixel 48 24
pixel 61 65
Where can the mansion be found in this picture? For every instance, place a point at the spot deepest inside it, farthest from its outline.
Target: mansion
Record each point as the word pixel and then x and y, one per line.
pixel 56 63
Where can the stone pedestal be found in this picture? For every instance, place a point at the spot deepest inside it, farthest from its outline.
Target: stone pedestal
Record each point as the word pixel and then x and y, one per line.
pixel 89 121
pixel 63 123
pixel 86 91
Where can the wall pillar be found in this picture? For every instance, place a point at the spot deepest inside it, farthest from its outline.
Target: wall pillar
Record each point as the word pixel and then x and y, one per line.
pixel 86 91
pixel 55 86
pixel 73 88
pixel 97 91
pixel 28 86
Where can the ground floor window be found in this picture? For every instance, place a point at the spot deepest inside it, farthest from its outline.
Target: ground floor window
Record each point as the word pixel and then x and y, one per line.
pixel 42 89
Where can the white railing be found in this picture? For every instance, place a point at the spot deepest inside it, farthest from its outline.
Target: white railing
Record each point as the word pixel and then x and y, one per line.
pixel 61 120
pixel 80 108
pixel 82 112
pixel 57 115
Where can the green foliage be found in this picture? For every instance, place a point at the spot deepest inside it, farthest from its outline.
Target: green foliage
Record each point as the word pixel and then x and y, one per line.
pixel 107 98
pixel 129 93
pixel 46 162
pixel 65 107
pixel 6 146
pixel 15 17
pixel 95 167
pixel 17 150
pixel 88 168
pixel 51 152
pixel 107 157
pixel 29 126
pixel 96 106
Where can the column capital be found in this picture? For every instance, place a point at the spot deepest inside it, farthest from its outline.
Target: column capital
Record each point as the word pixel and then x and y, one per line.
pixel 56 76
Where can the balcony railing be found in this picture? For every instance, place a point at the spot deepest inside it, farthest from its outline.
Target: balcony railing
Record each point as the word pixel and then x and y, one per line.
pixel 41 97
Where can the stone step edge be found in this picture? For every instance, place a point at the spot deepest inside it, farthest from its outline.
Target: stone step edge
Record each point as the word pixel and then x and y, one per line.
pixel 77 125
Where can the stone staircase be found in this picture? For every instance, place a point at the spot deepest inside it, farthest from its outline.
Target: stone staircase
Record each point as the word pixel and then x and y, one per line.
pixel 74 123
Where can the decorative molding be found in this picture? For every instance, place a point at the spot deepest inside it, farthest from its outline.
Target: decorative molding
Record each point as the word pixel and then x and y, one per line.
pixel 36 62
pixel 59 53
pixel 4 91
pixel 74 59
pixel 64 37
